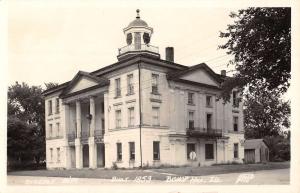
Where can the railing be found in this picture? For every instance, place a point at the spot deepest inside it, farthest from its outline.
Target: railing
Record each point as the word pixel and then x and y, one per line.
pixel 84 137
pixel 71 137
pixel 204 132
pixel 142 47
pixel 98 135
pixel 54 137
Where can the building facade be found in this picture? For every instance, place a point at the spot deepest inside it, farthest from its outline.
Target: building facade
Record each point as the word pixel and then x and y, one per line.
pixel 142 111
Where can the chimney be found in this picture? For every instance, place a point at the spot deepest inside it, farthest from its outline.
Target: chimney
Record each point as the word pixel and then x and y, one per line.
pixel 170 54
pixel 223 72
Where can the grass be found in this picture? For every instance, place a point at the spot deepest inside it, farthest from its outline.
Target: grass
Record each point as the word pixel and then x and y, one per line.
pixel 157 174
pixel 223 169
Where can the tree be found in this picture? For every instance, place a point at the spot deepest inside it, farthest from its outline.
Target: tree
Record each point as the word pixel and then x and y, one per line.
pixel 26 124
pixel 260 41
pixel 51 85
pixel 265 114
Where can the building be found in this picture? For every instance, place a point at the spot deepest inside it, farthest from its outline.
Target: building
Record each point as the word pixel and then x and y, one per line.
pixel 256 151
pixel 142 110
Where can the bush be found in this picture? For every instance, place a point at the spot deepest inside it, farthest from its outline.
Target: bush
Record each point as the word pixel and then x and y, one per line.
pixel 114 166
pixel 26 166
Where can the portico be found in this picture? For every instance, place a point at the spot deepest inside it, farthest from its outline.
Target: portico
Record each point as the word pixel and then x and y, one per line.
pixel 85 123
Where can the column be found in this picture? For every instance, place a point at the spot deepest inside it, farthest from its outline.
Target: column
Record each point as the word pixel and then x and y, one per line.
pixel 78 118
pixel 92 153
pixel 78 154
pixel 67 121
pixel 106 107
pixel 68 157
pixel 93 113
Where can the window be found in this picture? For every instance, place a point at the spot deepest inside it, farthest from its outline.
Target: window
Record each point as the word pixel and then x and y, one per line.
pixel 208 121
pixel 190 98
pixel 119 151
pixel 50 107
pixel 118 87
pixel 236 150
pixel 58 154
pixel 235 101
pixel 50 131
pixel 208 101
pixel 57 106
pixel 191 120
pixel 155 116
pixel 118 118
pixel 130 88
pixel 58 130
pixel 154 83
pixel 131 151
pixel 156 152
pixel 190 147
pixel 235 123
pixel 209 151
pixel 51 154
pixel 130 116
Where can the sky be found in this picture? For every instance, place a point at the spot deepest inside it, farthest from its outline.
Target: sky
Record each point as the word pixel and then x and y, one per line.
pixel 50 41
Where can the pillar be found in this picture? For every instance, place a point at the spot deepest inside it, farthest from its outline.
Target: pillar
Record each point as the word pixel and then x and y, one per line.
pixel 92 153
pixel 78 118
pixel 106 111
pixel 93 113
pixel 66 121
pixel 78 154
pixel 68 157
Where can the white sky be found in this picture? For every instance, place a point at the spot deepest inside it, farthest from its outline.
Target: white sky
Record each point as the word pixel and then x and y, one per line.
pixel 52 41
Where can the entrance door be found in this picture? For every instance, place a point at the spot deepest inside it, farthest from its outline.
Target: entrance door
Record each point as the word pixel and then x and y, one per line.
pixel 85 155
pixel 250 155
pixel 100 155
pixel 73 157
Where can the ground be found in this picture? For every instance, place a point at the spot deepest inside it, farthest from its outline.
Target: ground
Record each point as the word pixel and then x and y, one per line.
pixel 270 173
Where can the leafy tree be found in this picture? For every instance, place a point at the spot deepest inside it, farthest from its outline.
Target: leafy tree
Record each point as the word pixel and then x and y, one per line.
pixel 26 122
pixel 260 41
pixel 265 114
pixel 51 85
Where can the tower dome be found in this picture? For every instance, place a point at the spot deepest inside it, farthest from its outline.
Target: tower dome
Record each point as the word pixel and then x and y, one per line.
pixel 138 35
pixel 138 22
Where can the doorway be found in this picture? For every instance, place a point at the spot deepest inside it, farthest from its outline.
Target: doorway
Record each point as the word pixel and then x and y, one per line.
pixel 100 155
pixel 85 155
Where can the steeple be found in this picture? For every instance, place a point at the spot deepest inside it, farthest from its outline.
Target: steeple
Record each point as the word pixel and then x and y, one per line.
pixel 138 35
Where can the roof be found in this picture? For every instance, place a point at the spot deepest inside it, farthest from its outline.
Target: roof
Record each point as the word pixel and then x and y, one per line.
pixel 253 143
pixel 101 81
pixel 175 71
pixel 138 23
pixel 177 74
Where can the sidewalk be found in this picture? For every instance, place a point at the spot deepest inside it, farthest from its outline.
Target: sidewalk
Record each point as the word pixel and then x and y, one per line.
pixel 279 176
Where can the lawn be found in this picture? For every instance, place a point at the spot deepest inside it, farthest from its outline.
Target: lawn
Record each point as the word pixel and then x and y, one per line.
pixel 223 169
pixel 156 174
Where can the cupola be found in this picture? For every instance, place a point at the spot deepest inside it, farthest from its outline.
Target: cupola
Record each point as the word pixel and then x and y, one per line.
pixel 138 35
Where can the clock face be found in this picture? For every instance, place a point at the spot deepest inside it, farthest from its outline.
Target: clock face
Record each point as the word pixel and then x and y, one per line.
pixel 129 39
pixel 146 38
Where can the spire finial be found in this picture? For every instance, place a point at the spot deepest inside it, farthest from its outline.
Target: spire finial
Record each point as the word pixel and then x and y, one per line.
pixel 138 14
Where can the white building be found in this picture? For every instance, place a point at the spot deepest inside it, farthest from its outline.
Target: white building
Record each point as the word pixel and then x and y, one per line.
pixel 142 110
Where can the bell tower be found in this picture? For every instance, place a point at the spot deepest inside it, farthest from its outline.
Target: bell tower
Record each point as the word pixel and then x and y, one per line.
pixel 138 35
